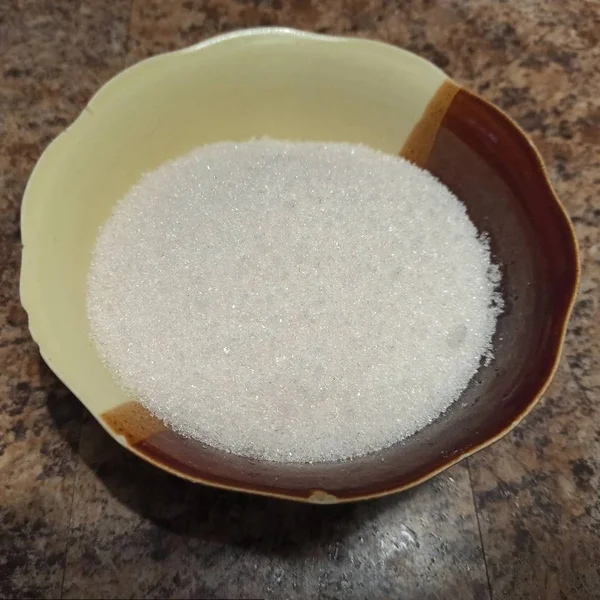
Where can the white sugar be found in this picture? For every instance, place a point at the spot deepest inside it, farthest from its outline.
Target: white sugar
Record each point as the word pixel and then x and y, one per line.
pixel 292 301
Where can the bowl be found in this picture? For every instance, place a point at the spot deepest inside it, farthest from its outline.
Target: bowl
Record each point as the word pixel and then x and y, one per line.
pixel 289 84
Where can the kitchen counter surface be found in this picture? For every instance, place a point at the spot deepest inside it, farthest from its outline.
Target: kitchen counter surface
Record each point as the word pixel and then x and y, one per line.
pixel 80 517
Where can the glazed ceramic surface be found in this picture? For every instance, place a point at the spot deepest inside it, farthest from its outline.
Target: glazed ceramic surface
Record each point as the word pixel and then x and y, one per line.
pixel 288 84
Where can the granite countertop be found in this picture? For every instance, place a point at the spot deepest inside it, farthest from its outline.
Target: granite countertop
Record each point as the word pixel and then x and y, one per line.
pixel 80 517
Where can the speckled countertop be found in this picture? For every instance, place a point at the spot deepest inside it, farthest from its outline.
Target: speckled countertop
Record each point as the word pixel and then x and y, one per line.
pixel 80 517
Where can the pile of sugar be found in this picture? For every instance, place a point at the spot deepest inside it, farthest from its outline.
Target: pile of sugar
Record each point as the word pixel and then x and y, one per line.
pixel 292 301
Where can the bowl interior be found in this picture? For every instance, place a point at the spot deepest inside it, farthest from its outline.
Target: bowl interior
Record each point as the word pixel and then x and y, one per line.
pixel 289 85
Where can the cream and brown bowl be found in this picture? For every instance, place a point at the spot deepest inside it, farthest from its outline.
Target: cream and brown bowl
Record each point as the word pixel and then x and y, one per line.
pixel 283 83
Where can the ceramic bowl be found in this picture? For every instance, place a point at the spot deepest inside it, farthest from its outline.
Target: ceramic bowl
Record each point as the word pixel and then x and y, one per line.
pixel 289 84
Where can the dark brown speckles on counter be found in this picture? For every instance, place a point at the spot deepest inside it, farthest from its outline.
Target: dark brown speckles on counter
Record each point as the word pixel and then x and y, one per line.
pixel 81 517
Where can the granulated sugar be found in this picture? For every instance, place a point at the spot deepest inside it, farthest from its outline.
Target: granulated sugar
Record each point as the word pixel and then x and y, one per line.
pixel 292 301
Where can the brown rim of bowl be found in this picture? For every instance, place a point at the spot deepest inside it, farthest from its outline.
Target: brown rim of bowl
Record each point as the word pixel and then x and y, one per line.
pixel 137 426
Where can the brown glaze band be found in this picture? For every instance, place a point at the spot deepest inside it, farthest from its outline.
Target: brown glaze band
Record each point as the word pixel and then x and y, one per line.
pixel 488 162
pixel 421 139
pixel 133 422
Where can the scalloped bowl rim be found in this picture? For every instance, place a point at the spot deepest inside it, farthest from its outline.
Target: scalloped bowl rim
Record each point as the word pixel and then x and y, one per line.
pixel 95 102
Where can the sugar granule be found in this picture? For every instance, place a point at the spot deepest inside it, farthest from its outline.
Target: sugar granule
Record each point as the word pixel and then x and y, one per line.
pixel 292 301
